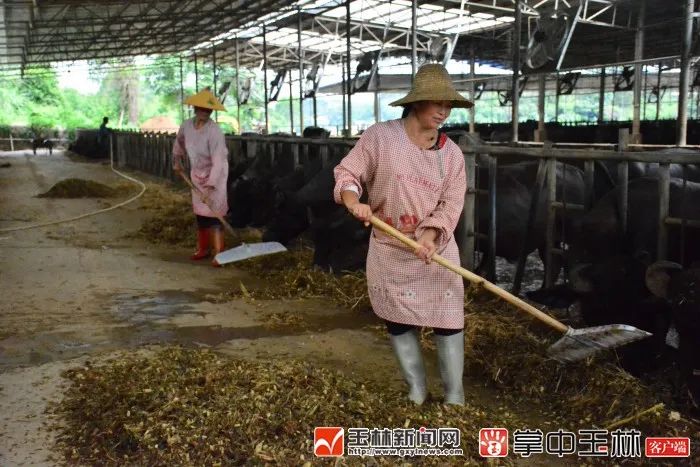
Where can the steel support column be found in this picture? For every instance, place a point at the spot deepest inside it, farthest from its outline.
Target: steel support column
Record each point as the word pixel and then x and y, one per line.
pixel 291 105
pixel 267 119
pixel 301 74
pixel 638 52
pixel 182 95
pixel 377 114
pixel 215 91
pixel 349 80
pixel 540 108
pixel 685 70
pixel 414 38
pixel 601 97
pixel 238 88
pixel 343 83
pixel 516 71
pixel 472 91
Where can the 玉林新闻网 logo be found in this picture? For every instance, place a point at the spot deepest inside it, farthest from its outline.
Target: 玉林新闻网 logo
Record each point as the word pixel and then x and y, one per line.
pixel 329 441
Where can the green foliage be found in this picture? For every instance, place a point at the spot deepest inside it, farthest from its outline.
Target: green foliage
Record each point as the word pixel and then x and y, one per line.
pixel 132 91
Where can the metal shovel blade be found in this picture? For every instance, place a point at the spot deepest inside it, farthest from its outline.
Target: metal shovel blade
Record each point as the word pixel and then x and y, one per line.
pixel 578 344
pixel 246 251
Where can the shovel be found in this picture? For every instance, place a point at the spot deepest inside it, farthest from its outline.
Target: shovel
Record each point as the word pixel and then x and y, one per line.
pixel 243 251
pixel 576 344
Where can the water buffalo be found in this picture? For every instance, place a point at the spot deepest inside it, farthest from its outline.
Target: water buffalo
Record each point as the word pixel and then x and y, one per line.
pixel 611 290
pixel 340 242
pixel 315 132
pixel 599 232
pixel 251 193
pixel 680 288
pixel 42 143
pixel 514 189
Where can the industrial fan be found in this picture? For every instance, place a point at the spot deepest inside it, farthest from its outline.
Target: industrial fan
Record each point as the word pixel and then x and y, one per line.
pixel 244 92
pixel 567 83
pixel 439 48
pixel 365 72
pixel 311 84
pixel 223 91
pixel 276 85
pixel 504 97
pixel 625 80
pixel 550 38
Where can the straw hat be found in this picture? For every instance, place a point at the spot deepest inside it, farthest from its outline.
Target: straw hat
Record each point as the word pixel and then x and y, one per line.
pixel 206 100
pixel 433 83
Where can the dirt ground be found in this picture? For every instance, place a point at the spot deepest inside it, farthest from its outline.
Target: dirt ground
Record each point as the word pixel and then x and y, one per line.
pixel 84 290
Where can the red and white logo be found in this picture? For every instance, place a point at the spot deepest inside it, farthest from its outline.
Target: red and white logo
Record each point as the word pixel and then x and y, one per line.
pixel 493 442
pixel 329 441
pixel 667 447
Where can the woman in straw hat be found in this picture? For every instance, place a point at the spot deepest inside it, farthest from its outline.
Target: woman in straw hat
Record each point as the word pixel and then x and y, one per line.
pixel 201 140
pixel 415 181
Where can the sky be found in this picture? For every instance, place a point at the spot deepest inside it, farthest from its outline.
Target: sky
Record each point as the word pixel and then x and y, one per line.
pixel 76 75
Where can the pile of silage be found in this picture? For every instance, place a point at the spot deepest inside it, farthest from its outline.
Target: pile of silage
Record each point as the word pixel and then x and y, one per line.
pixel 194 407
pixel 291 275
pixel 173 223
pixel 505 346
pixel 80 188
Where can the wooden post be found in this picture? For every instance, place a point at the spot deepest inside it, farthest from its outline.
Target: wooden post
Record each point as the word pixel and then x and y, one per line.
pixel 623 179
pixel 549 278
pixel 540 136
pixel 589 183
pixel 493 172
pixel 664 198
pixel 466 241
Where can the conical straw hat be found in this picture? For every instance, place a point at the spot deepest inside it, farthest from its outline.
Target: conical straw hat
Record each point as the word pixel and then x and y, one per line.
pixel 433 83
pixel 205 99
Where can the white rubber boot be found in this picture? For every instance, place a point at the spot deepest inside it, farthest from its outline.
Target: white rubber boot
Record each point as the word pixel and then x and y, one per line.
pixel 451 358
pixel 408 353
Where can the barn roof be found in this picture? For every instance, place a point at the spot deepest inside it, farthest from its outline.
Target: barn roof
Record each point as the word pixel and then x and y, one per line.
pixel 41 31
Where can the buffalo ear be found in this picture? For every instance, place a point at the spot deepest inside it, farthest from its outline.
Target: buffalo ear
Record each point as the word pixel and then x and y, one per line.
pixel 658 276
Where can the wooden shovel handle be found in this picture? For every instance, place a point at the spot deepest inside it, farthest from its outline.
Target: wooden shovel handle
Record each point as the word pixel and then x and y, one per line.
pixel 473 278
pixel 201 197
